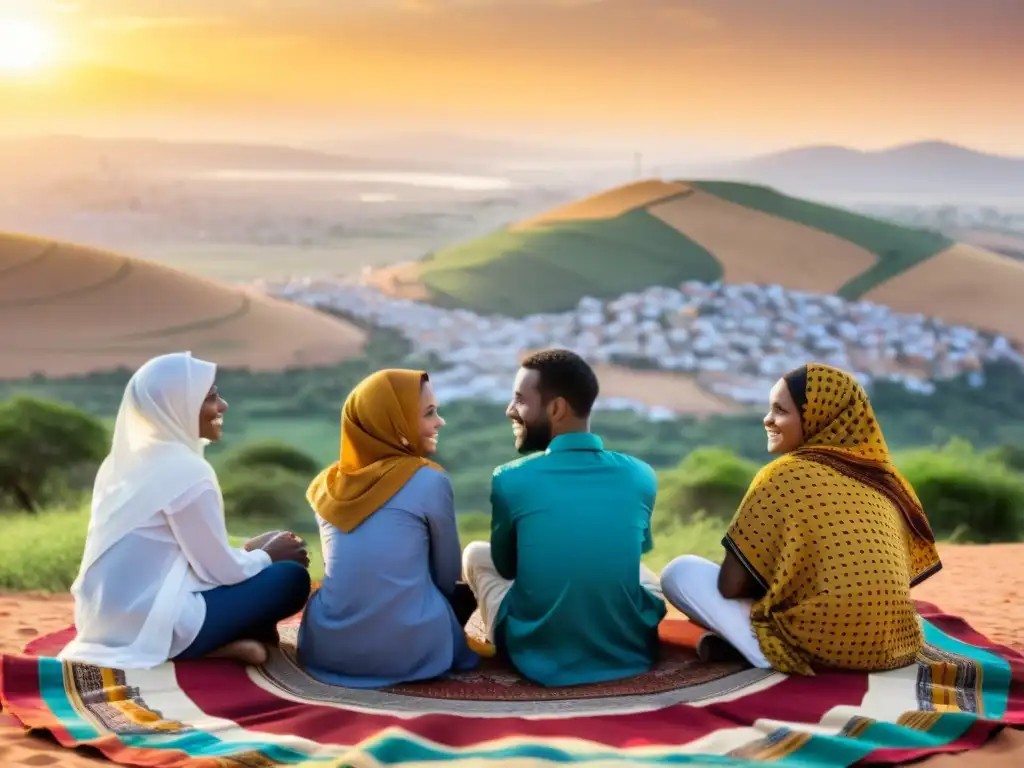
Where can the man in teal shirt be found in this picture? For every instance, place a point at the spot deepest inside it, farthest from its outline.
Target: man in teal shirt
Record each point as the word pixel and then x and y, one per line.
pixel 560 585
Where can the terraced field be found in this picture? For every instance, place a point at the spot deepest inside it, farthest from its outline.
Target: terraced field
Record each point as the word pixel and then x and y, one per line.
pixel 733 233
pixel 662 233
pixel 895 247
pixel 66 309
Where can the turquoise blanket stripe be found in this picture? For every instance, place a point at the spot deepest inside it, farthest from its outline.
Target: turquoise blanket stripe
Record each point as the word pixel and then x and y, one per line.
pixel 996 672
pixel 194 744
pixel 817 752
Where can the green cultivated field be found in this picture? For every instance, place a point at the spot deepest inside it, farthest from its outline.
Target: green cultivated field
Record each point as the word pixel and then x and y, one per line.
pixel 550 268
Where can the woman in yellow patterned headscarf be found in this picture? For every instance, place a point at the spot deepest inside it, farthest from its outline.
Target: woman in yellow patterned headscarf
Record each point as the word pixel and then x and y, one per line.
pixel 825 546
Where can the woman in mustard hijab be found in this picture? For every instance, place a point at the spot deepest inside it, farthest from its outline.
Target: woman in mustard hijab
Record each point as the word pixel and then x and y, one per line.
pixel 826 544
pixel 383 614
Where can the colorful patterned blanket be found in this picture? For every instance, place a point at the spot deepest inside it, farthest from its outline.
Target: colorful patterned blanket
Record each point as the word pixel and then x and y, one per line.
pixel 961 691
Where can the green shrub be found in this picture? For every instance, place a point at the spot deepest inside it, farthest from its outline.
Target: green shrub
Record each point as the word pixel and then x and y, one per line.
pixel 269 454
pixel 1010 456
pixel 709 480
pixel 967 496
pixel 266 494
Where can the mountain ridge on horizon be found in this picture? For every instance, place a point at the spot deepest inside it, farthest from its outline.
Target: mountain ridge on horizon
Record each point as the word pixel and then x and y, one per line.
pixel 928 167
pixel 925 168
pixel 939 145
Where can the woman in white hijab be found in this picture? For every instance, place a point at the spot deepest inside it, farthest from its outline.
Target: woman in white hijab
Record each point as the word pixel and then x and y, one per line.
pixel 159 579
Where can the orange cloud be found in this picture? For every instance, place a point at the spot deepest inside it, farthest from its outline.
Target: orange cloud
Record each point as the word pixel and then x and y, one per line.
pixel 131 23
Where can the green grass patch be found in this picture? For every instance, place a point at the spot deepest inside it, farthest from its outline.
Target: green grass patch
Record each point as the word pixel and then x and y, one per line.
pixel 550 268
pixel 41 553
pixel 897 247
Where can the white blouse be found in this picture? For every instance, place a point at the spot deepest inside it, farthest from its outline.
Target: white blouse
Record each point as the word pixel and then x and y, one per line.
pixel 139 604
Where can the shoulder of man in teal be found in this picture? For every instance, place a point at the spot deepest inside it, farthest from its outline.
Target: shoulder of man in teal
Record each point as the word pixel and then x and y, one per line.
pixel 643 472
pixel 511 468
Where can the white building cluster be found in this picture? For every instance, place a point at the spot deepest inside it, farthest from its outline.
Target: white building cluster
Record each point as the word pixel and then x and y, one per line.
pixel 734 340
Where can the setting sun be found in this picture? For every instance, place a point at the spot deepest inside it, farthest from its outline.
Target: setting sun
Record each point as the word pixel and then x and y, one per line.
pixel 25 45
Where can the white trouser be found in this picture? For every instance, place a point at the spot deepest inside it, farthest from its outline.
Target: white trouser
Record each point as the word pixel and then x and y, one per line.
pixel 490 587
pixel 691 585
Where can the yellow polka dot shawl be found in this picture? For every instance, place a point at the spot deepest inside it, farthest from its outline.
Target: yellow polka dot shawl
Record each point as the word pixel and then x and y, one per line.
pixel 836 536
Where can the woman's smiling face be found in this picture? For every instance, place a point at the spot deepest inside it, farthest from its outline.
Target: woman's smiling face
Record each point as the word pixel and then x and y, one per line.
pixel 211 415
pixel 782 422
pixel 430 419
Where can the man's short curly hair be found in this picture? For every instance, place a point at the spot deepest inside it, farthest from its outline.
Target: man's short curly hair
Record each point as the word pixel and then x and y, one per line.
pixel 565 374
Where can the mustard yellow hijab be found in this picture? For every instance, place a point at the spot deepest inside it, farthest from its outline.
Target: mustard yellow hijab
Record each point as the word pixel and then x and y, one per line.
pixel 380 449
pixel 841 431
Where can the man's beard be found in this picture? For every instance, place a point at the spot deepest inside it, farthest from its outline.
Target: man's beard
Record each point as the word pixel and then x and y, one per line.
pixel 536 437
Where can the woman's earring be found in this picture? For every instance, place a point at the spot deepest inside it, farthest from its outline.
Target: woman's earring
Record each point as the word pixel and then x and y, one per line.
pixel 405 442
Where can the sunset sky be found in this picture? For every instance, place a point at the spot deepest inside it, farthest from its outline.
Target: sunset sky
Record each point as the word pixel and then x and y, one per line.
pixel 744 74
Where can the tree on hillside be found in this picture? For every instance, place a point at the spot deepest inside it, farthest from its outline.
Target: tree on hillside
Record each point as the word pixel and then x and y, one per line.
pixel 43 443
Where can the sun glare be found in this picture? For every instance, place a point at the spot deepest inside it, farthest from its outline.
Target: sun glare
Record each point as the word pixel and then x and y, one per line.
pixel 25 46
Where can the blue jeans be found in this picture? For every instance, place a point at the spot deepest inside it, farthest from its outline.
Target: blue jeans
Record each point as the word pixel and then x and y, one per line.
pixel 250 610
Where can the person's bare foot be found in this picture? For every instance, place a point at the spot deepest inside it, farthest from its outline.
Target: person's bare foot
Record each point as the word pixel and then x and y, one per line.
pixel 715 648
pixel 246 651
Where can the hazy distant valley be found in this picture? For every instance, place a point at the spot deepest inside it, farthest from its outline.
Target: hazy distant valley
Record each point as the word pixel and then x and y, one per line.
pixel 238 212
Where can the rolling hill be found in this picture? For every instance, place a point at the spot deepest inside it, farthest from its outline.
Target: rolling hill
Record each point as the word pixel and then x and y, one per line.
pixel 663 233
pixel 66 309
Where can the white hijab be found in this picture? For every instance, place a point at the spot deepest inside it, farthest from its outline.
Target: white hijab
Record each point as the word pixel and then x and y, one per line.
pixel 157 454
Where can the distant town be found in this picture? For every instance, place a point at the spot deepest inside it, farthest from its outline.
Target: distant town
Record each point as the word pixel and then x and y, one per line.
pixel 734 341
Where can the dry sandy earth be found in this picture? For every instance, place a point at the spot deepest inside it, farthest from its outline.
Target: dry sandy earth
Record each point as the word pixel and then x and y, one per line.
pixel 993 241
pixel 963 284
pixel 607 205
pixel 658 388
pixel 756 247
pixel 66 309
pixel 401 281
pixel 983 584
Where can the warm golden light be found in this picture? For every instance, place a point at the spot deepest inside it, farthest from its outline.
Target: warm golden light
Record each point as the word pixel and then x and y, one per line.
pixel 25 45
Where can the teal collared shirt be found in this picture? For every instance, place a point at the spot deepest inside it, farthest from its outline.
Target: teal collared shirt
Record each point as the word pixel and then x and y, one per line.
pixel 570 525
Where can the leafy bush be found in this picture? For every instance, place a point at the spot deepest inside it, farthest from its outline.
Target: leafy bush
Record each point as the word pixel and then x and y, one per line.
pixel 709 480
pixel 1010 456
pixel 266 495
pixel 967 496
pixel 46 448
pixel 269 454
